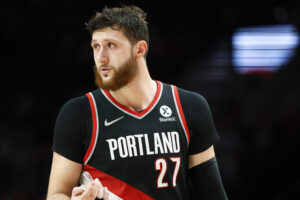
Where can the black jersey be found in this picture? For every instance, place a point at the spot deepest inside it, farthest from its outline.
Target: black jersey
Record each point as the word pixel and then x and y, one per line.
pixel 137 155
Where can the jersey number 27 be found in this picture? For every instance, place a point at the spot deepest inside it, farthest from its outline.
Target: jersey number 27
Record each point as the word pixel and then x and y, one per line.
pixel 162 166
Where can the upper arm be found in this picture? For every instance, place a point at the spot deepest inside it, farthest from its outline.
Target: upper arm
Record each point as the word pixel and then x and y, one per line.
pixel 203 168
pixel 73 126
pixel 71 129
pixel 199 158
pixel 64 175
pixel 206 181
pixel 199 120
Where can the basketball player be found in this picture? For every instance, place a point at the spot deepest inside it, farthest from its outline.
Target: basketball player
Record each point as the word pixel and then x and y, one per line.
pixel 138 138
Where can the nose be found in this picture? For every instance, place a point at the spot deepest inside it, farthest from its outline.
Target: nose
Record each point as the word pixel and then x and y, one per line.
pixel 102 56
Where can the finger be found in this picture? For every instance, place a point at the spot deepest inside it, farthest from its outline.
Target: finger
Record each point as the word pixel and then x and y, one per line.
pixel 83 187
pixel 106 193
pixel 100 191
pixel 77 191
pixel 98 182
pixel 91 191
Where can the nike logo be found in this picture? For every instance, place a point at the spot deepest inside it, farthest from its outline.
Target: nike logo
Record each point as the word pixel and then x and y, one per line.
pixel 106 123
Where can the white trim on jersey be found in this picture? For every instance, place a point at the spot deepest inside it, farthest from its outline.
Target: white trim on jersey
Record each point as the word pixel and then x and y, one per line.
pixel 128 113
pixel 97 129
pixel 179 115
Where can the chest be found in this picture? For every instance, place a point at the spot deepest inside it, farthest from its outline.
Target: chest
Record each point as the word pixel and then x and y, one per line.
pixel 127 145
pixel 120 133
pixel 157 133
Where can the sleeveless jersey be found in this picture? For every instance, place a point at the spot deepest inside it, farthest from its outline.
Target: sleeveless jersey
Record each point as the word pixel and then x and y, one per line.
pixel 139 155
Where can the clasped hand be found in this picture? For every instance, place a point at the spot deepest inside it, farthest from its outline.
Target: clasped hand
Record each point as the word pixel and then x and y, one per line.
pixel 90 191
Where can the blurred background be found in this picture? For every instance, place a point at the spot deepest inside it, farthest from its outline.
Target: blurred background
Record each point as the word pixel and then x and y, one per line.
pixel 242 56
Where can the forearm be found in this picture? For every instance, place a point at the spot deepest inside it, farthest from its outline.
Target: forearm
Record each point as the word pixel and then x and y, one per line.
pixel 58 196
pixel 206 181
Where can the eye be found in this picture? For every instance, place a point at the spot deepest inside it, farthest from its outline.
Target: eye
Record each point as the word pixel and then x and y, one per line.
pixel 96 46
pixel 111 45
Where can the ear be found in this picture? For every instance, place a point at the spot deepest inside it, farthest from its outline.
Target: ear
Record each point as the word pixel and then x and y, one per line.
pixel 141 49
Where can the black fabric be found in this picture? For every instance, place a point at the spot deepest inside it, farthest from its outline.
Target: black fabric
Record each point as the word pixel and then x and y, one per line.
pixel 72 127
pixel 200 121
pixel 136 158
pixel 73 132
pixel 206 181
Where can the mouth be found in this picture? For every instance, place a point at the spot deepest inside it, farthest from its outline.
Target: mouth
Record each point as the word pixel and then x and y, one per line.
pixel 105 71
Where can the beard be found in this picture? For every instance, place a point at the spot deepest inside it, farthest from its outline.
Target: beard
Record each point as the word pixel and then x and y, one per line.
pixel 120 77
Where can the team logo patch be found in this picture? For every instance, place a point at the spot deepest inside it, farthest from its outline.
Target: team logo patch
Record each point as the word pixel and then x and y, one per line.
pixel 166 112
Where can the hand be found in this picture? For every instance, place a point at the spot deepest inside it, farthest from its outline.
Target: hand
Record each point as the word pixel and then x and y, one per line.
pixel 90 191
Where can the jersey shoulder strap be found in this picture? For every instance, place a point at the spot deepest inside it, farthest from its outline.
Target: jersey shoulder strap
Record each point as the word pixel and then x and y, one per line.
pixel 180 112
pixel 95 129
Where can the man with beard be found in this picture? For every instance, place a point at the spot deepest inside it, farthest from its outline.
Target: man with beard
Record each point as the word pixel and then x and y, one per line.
pixel 136 137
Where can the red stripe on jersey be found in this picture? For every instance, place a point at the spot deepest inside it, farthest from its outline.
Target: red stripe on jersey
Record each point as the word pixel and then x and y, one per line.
pixel 95 124
pixel 181 113
pixel 139 114
pixel 116 186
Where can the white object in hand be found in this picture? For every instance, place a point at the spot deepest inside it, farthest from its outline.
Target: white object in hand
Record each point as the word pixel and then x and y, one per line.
pixel 86 178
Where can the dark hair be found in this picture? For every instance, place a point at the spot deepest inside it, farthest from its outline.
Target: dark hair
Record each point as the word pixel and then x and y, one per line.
pixel 131 20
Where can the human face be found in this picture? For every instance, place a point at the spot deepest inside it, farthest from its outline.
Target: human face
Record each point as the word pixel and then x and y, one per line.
pixel 115 64
pixel 121 76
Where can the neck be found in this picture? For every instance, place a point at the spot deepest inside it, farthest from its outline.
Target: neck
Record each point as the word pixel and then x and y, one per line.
pixel 139 93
